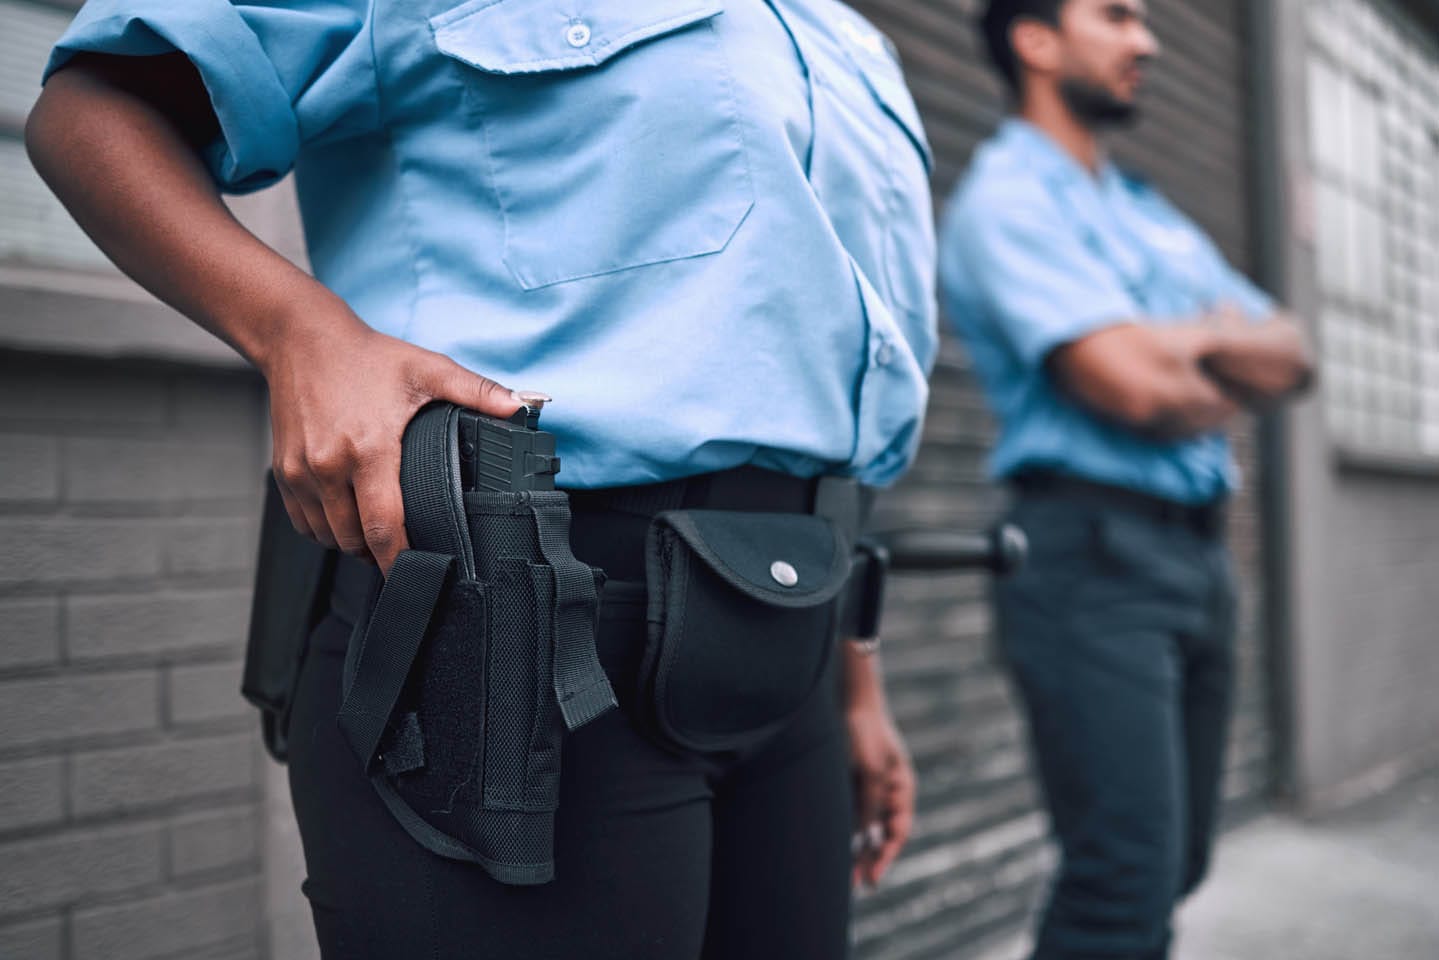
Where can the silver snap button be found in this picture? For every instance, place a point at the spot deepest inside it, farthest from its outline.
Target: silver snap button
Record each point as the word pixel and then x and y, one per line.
pixel 578 34
pixel 784 574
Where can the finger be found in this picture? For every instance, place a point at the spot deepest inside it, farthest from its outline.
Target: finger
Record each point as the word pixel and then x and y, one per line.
pixel 338 502
pixel 898 821
pixel 897 827
pixel 292 508
pixel 301 486
pixel 382 511
pixel 444 379
pixel 331 471
pixel 869 804
pixel 875 837
pixel 873 846
pixel 869 795
pixel 315 516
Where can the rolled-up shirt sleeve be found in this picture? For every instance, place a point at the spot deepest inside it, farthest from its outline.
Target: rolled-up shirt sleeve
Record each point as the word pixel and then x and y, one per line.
pixel 1016 261
pixel 279 77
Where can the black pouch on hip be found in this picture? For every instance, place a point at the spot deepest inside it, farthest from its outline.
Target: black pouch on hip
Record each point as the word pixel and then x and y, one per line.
pixel 292 585
pixel 476 658
pixel 743 619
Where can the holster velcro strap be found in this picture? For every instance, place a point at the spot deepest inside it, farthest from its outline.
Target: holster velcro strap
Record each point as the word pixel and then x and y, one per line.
pixel 582 690
pixel 387 650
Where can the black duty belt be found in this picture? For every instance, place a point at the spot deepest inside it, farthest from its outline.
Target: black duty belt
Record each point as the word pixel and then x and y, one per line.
pixel 1206 519
pixel 741 488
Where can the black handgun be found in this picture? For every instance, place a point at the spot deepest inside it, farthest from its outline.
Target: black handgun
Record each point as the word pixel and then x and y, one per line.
pixel 504 456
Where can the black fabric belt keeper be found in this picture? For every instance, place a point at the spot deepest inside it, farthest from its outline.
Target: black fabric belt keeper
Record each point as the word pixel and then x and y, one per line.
pixel 864 604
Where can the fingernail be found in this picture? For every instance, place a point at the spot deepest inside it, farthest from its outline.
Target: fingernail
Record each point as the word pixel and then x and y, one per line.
pixel 530 398
pixel 856 843
pixel 875 835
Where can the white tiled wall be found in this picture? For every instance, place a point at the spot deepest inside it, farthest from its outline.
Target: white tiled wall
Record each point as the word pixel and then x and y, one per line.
pixel 1374 146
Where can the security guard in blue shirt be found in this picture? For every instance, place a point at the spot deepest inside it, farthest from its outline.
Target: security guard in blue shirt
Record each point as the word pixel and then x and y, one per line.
pixel 1114 343
pixel 704 226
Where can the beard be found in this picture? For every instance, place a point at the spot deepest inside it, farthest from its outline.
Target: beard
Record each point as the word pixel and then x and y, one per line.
pixel 1095 107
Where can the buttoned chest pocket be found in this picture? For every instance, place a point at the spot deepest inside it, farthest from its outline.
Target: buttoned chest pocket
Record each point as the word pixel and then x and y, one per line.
pixel 610 129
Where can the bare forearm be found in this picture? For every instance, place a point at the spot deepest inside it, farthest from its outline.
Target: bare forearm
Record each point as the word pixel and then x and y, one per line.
pixel 117 141
pixel 130 178
pixel 1188 403
pixel 1261 363
pixel 1147 378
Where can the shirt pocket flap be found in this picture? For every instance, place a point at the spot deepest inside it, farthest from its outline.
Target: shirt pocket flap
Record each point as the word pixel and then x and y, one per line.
pixel 532 36
pixel 886 81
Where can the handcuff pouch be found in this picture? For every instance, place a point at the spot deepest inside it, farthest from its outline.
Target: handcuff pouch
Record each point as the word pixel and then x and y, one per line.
pixel 743 620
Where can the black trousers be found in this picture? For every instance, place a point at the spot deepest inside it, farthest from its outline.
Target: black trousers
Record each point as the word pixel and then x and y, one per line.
pixel 658 856
pixel 1119 635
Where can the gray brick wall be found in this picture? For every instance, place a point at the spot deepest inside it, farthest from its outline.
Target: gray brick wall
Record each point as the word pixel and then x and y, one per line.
pixel 131 807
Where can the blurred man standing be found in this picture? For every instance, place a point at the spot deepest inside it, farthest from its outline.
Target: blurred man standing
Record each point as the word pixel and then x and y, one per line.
pixel 1115 344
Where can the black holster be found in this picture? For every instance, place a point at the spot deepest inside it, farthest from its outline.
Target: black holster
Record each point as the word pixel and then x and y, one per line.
pixel 475 659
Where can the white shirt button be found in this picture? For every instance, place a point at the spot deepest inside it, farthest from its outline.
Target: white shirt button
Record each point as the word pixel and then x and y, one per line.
pixel 578 34
pixel 884 354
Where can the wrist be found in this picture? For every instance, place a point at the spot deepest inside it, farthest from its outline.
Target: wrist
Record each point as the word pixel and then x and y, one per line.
pixel 1227 328
pixel 866 712
pixel 315 321
pixel 863 682
pixel 1211 336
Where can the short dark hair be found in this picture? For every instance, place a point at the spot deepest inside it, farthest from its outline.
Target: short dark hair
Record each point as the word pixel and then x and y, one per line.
pixel 998 19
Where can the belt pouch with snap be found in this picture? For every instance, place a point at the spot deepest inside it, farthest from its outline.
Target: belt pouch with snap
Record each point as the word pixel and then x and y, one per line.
pixel 743 618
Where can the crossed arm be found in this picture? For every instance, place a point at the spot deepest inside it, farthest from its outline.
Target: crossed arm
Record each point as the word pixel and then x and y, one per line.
pixel 1176 381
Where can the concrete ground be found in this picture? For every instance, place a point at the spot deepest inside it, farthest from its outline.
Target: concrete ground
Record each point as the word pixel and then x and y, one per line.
pixel 1360 885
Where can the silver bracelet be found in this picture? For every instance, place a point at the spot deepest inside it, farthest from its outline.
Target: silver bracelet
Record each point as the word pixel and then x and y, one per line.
pixel 868 646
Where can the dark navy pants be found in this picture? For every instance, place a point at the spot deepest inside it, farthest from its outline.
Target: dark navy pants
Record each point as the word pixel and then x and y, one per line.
pixel 1119 634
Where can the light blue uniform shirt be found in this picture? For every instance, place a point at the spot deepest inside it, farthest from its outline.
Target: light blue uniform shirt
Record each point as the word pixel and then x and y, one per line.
pixel 703 227
pixel 1036 252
